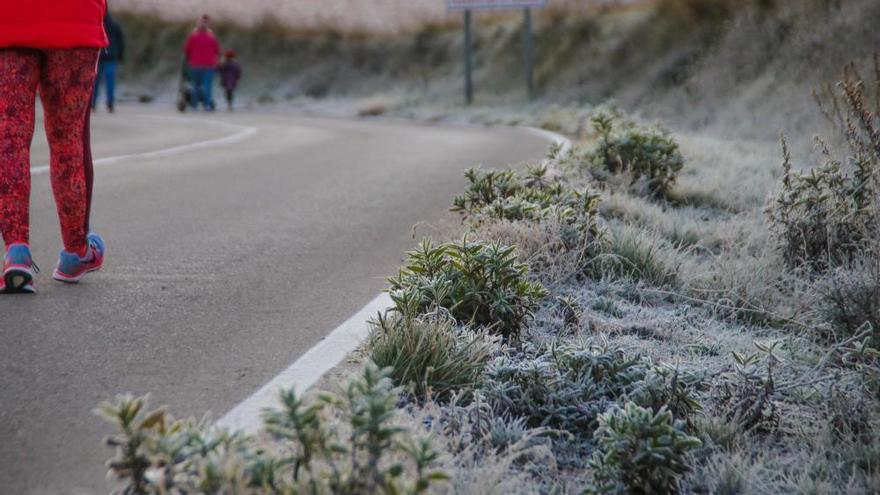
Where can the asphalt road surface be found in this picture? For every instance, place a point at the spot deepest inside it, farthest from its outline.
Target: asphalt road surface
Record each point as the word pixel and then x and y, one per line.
pixel 225 263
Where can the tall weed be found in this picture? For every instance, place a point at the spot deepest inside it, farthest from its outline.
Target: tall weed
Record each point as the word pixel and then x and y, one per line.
pixel 822 216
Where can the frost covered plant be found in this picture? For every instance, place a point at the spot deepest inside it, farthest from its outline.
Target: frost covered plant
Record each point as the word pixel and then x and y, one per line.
pixel 480 284
pixel 649 157
pixel 137 429
pixel 822 216
pixel 534 195
pixel 430 355
pixel 567 386
pixel 747 396
pixel 340 445
pixel 849 299
pixel 640 451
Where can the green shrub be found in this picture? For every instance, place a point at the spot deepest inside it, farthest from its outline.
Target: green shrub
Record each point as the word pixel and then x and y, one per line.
pixel 533 195
pixel 481 284
pixel 567 386
pixel 430 355
pixel 649 157
pixel 363 453
pixel 822 216
pixel 504 194
pixel 640 451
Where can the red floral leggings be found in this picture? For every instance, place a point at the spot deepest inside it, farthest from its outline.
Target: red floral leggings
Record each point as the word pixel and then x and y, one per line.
pixel 65 79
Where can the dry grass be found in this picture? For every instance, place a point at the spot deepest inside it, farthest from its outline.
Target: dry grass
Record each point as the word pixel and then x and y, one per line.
pixel 538 244
pixel 381 16
pixel 739 72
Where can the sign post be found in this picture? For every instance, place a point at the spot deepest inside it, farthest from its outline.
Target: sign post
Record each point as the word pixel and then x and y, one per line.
pixel 467 7
pixel 529 52
pixel 468 59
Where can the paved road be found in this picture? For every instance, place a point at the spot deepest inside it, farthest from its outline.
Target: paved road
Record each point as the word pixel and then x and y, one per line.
pixel 225 264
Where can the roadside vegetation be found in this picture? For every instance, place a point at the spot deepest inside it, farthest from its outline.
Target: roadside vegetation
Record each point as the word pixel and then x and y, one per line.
pixel 650 311
pixel 598 325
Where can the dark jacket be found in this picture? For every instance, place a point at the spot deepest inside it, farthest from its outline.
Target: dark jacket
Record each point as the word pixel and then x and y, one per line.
pixel 115 51
pixel 230 73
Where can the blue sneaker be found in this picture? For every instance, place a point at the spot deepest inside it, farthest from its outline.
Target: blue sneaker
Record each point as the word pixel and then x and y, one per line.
pixel 71 268
pixel 18 270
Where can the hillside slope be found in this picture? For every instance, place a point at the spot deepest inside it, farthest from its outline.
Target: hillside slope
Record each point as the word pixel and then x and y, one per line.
pixel 734 66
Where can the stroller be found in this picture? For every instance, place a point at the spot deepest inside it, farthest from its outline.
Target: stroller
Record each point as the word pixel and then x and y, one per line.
pixel 186 92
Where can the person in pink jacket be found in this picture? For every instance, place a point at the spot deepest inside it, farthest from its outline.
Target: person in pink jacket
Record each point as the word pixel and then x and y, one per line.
pixel 202 51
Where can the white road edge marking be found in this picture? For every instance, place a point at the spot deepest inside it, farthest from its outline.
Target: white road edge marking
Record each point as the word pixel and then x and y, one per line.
pixel 553 137
pixel 308 369
pixel 242 134
pixel 327 354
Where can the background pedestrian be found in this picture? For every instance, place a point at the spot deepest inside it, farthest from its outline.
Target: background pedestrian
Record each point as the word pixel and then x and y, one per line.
pixel 202 52
pixel 110 58
pixel 230 74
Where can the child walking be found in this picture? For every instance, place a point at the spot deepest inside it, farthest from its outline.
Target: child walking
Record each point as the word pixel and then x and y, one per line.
pixel 230 73
pixel 50 47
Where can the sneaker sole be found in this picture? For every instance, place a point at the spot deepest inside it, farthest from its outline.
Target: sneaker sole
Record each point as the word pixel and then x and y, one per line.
pixel 18 281
pixel 67 279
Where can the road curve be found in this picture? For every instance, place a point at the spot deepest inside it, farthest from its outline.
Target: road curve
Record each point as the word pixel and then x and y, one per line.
pixel 225 264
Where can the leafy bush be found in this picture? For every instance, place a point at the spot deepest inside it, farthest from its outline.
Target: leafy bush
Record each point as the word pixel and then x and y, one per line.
pixel 567 387
pixel 429 355
pixel 822 216
pixel 504 194
pixel 365 454
pixel 534 195
pixel 640 451
pixel 648 156
pixel 482 284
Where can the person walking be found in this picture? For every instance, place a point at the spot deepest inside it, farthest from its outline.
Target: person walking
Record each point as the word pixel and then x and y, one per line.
pixel 50 47
pixel 202 51
pixel 111 56
pixel 230 74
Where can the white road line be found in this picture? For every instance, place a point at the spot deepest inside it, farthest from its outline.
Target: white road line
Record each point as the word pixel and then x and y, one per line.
pixel 241 134
pixel 553 137
pixel 327 354
pixel 308 369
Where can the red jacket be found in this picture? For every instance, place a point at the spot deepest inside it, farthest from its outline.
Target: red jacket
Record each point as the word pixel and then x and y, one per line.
pixel 52 23
pixel 202 49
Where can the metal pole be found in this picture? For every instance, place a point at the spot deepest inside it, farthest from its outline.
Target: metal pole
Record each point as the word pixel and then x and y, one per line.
pixel 468 60
pixel 529 52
